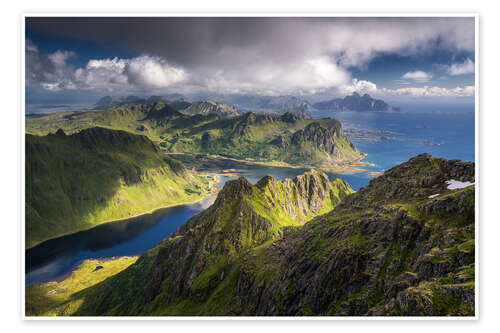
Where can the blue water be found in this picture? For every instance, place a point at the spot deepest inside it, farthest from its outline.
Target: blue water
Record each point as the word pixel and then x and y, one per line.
pixel 447 135
pixel 442 134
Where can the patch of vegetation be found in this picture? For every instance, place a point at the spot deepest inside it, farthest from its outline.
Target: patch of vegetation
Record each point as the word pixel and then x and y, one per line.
pixel 272 139
pixel 65 297
pixel 74 182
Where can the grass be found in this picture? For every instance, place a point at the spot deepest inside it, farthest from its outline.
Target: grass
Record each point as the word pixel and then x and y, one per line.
pixel 76 182
pixel 246 137
pixel 64 298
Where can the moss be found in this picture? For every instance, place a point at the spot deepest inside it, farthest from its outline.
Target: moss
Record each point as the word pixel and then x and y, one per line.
pixel 467 246
pixel 445 304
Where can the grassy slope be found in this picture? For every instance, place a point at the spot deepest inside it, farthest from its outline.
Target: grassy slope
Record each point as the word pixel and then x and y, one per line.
pixel 63 298
pixel 78 181
pixel 261 212
pixel 388 249
pixel 246 137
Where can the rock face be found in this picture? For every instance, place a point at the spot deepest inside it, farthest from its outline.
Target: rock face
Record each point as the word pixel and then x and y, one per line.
pixel 355 102
pixel 376 253
pixel 323 138
pixel 206 107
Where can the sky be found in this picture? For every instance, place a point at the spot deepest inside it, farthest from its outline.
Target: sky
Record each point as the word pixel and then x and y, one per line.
pixel 80 59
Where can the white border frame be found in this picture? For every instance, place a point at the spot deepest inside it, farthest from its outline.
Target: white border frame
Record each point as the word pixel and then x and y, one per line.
pixel 266 13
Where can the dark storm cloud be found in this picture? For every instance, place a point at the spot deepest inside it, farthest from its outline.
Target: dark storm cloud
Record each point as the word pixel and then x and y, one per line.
pixel 201 40
pixel 266 55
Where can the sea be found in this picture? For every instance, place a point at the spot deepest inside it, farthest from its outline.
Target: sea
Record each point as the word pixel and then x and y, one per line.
pixel 388 139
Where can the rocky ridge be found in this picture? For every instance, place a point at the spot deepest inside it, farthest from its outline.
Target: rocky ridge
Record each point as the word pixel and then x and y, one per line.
pixel 206 107
pixel 376 253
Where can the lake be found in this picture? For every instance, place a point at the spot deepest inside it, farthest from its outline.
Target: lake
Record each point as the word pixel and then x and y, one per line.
pixel 448 135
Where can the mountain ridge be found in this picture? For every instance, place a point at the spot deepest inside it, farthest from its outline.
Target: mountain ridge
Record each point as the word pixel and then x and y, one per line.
pixel 270 138
pixel 372 258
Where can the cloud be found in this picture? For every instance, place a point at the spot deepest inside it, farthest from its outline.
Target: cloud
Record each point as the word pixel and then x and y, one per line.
pixel 308 77
pixel 229 42
pixel 55 74
pixel 155 72
pixel 427 91
pixel 466 67
pixel 360 86
pixel 59 58
pixel 51 86
pixel 30 46
pixel 419 76
pixel 270 56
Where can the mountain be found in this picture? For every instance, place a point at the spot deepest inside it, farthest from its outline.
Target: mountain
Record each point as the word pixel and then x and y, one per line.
pixel 206 107
pixel 298 112
pixel 180 104
pixel 242 217
pixel 74 182
pixel 107 102
pixel 262 103
pixel 273 139
pixel 401 246
pixel 355 102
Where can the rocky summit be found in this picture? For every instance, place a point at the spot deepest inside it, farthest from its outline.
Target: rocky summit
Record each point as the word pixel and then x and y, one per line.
pixel 206 107
pixel 401 246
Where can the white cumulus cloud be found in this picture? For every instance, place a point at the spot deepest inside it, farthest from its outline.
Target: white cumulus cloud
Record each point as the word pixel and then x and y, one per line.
pixel 466 67
pixel 153 72
pixel 419 76
pixel 360 86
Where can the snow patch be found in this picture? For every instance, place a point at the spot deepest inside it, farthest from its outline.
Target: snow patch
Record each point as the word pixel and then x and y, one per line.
pixel 455 184
pixel 433 196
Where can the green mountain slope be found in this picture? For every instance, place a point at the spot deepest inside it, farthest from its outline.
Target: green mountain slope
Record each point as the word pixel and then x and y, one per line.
pixel 284 139
pixel 392 248
pixel 403 245
pixel 74 182
pixel 204 250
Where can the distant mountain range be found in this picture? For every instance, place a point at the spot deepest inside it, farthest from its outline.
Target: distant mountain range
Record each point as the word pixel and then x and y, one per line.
pixel 279 105
pixel 263 103
pixel 277 138
pixel 355 102
pixel 108 102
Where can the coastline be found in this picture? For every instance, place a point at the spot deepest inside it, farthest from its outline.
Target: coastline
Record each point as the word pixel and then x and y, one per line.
pixel 213 191
pixel 354 167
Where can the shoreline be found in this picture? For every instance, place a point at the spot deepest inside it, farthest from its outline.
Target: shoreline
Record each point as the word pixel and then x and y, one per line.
pixel 213 191
pixel 355 167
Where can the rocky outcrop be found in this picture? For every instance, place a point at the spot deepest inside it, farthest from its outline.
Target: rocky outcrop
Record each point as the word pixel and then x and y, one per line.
pixel 323 138
pixel 206 107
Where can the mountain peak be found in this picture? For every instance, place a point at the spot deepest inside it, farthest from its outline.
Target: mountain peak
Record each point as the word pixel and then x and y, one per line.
pixel 355 102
